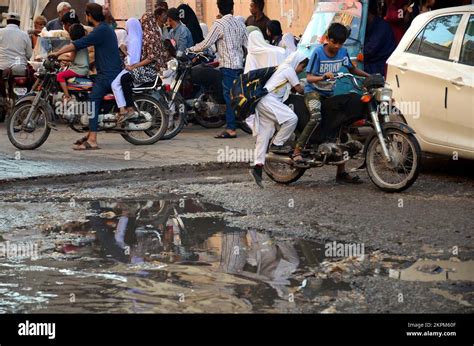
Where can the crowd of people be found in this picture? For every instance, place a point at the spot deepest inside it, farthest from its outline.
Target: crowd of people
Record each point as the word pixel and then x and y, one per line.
pixel 138 53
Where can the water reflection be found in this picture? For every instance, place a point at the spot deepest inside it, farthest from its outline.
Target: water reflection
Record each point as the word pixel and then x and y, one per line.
pixel 140 255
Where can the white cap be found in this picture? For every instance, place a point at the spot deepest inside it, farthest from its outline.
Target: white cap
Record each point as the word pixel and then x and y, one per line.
pixel 12 15
pixel 62 5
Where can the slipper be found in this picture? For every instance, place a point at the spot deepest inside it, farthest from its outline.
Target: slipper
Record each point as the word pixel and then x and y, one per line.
pixel 81 141
pixel 349 179
pixel 225 135
pixel 86 147
pixel 302 163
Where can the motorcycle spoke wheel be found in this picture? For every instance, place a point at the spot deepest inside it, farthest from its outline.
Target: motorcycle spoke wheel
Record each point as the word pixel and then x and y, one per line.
pixel 403 170
pixel 159 123
pixel 28 136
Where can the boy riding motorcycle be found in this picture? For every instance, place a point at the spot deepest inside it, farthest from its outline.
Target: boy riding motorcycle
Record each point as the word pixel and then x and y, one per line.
pixel 326 61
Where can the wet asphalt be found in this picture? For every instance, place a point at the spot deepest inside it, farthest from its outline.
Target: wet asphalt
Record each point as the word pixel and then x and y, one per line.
pixel 432 220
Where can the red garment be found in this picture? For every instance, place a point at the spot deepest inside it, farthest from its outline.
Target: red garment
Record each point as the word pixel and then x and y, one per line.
pixel 62 77
pixel 395 17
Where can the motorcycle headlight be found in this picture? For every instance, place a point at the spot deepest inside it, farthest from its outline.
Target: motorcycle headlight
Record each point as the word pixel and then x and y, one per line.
pixel 383 95
pixel 173 65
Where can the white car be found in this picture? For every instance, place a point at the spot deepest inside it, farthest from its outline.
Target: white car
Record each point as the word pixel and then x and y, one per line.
pixel 432 76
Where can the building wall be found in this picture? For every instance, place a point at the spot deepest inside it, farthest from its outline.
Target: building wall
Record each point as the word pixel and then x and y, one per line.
pixel 293 14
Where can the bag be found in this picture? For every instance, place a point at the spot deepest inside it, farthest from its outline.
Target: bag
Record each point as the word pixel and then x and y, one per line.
pixel 248 90
pixel 144 74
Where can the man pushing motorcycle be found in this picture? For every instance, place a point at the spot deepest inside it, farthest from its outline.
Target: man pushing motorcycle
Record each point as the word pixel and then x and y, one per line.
pixel 108 66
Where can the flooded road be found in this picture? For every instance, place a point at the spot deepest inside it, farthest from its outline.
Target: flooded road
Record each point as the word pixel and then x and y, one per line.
pixel 209 242
pixel 157 256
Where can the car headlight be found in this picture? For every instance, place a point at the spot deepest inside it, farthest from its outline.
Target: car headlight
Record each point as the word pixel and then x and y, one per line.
pixel 383 95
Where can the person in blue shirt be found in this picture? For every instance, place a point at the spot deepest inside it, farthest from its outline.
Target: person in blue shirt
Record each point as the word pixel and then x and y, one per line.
pixel 326 61
pixel 179 33
pixel 108 65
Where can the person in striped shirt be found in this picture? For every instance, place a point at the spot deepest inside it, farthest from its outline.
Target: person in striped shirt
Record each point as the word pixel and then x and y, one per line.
pixel 230 36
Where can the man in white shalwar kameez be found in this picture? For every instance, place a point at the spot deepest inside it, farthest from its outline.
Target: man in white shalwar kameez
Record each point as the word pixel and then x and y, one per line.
pixel 271 112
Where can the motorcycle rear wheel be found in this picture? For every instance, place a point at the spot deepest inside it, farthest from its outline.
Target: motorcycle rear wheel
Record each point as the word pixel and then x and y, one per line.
pixel 282 173
pixel 18 136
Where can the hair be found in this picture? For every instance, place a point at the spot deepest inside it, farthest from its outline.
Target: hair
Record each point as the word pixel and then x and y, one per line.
pixel 192 22
pixel 260 4
pixel 159 11
pixel 173 13
pixel 109 18
pixel 95 11
pixel 373 7
pixel 274 26
pixel 337 32
pixel 225 6
pixel 162 4
pixel 69 18
pixel 40 18
pixel 169 47
pixel 77 31
pixel 62 6
pixel 13 21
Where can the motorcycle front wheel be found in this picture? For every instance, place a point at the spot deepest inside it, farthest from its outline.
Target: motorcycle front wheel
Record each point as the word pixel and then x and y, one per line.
pixel 28 136
pixel 405 165
pixel 176 120
pixel 148 104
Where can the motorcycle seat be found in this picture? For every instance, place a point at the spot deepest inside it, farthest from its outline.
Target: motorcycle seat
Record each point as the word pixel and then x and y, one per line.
pixel 78 83
pixel 145 85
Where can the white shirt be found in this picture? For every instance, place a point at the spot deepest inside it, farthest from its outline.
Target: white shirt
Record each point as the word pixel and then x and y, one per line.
pixel 282 75
pixel 230 35
pixel 15 47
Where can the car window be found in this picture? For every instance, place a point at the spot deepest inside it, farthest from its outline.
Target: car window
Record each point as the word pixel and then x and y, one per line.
pixel 467 49
pixel 436 39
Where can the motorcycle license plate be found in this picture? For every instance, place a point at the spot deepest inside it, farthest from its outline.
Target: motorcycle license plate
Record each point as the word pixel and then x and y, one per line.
pixel 20 91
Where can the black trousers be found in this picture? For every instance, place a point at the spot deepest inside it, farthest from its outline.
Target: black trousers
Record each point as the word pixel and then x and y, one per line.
pixel 127 87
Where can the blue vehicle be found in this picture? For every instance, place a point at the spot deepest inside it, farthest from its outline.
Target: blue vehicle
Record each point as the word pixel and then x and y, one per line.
pixel 352 14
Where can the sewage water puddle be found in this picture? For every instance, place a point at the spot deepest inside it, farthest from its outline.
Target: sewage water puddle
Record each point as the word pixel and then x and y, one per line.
pixel 164 256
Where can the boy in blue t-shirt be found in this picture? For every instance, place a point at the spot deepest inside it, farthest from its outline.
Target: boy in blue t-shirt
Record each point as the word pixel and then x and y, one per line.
pixel 326 61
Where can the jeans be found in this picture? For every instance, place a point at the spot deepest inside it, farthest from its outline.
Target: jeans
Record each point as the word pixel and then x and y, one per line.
pixel 228 78
pixel 102 86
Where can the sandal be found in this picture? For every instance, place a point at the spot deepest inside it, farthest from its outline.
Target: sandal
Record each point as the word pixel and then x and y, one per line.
pixel 225 135
pixel 86 147
pixel 81 141
pixel 123 117
pixel 349 179
pixel 301 163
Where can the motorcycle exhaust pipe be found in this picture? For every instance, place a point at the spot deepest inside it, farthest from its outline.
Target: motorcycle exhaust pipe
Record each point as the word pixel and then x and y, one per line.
pixel 271 157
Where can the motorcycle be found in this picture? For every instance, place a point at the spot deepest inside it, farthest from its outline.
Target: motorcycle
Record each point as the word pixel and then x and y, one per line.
pixel 17 82
pixel 392 153
pixel 34 115
pixel 196 94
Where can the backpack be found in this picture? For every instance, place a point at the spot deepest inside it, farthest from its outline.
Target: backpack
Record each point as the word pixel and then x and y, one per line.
pixel 248 89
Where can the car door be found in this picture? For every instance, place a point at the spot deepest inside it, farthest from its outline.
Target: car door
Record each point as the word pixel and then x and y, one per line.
pixel 422 74
pixel 460 111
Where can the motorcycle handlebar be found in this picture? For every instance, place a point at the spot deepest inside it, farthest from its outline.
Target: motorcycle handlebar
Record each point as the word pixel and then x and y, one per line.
pixel 346 75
